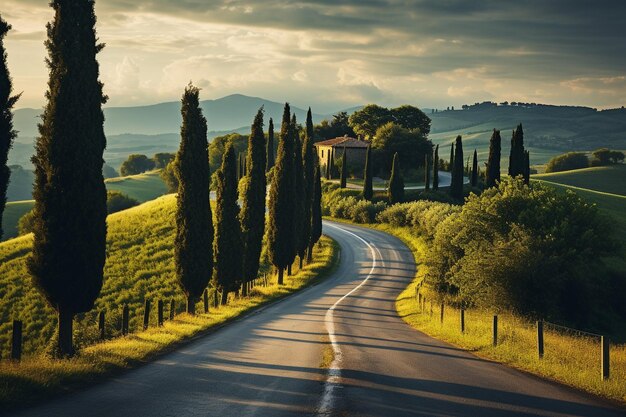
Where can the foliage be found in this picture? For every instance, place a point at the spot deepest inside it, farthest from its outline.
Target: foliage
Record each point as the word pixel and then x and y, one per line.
pixel 217 147
pixel 299 195
pixel 227 245
pixel 136 164
pixel 339 126
pixel 456 185
pixel 605 156
pixel 69 191
pixel 517 165
pixel 26 223
pixel 309 157
pixel 474 177
pixel 194 224
pixel 368 190
pixel 7 133
pixel 270 147
pixel 395 192
pixel 109 172
pixel 168 175
pixel 116 201
pixel 372 117
pixel 529 250
pixel 316 208
pixel 411 145
pixel 568 161
pixel 492 173
pixel 162 159
pixel 252 215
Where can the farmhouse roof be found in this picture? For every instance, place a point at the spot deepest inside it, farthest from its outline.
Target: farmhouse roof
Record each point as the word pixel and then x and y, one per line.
pixel 344 141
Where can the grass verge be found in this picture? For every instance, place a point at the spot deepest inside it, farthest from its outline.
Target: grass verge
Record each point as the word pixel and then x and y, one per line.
pixel 569 359
pixel 37 377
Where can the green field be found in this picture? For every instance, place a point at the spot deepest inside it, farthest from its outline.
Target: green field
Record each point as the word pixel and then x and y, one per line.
pixel 142 187
pixel 606 179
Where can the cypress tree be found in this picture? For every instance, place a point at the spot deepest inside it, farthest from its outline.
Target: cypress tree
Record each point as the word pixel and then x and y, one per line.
pixel 7 134
pixel 331 165
pixel 475 169
pixel 526 167
pixel 436 169
pixel 227 244
pixel 396 182
pixel 451 164
pixel 270 146
pixel 299 198
pixel 516 156
pixel 280 238
pixel 308 165
pixel 252 215
pixel 368 190
pixel 427 172
pixel 492 176
pixel 344 169
pixel 328 171
pixel 456 186
pixel 193 250
pixel 70 210
pixel 316 211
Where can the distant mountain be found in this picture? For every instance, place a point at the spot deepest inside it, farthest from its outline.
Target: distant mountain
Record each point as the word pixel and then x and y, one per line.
pixel 223 115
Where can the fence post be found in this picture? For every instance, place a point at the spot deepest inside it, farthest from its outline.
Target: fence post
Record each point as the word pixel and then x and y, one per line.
pixel 146 315
pixel 172 309
pixel 16 341
pixel 160 313
pixel 441 318
pixel 605 357
pixel 495 330
pixel 206 300
pixel 462 320
pixel 125 320
pixel 101 325
pixel 540 338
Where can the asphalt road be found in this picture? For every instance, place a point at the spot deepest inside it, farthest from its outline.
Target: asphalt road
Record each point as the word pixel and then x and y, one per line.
pixel 268 363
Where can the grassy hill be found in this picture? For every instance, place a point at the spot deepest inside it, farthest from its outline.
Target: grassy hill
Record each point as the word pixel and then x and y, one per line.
pixel 13 211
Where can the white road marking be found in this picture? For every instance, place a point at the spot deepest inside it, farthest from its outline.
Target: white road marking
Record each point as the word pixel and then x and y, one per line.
pixel 334 372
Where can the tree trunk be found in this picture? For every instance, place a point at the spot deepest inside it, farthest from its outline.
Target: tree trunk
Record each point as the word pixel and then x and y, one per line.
pixel 224 297
pixel 280 276
pixel 191 305
pixel 216 300
pixel 289 270
pixel 309 254
pixel 244 289
pixel 66 320
pixel 301 262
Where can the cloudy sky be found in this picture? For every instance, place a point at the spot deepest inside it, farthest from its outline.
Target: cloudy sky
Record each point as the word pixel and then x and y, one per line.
pixel 332 54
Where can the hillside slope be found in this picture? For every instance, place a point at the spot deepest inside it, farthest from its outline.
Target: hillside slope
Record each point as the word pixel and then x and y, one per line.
pixel 605 179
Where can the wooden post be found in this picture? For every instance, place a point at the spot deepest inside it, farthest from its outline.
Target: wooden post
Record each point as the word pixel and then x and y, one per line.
pixel 441 318
pixel 160 313
pixel 125 320
pixel 16 341
pixel 146 315
pixel 462 321
pixel 101 325
pixel 495 330
pixel 206 300
pixel 540 338
pixel 605 357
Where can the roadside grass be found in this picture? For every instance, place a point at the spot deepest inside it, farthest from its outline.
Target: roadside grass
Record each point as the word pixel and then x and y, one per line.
pixel 37 377
pixel 571 360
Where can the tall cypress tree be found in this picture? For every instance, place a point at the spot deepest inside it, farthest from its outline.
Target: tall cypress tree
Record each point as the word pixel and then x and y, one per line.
pixel 427 172
pixel 299 198
pixel 331 164
pixel 451 164
pixel 270 146
pixel 474 180
pixel 492 175
pixel 7 134
pixel 328 171
pixel 368 190
pixel 436 169
pixel 193 250
pixel 516 156
pixel 396 182
pixel 227 244
pixel 316 211
pixel 252 215
pixel 344 169
pixel 280 238
pixel 70 198
pixel 526 167
pixel 308 165
pixel 456 186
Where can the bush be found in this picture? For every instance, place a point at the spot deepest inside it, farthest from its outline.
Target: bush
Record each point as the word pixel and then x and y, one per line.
pixel 568 161
pixel 136 164
pixel 25 223
pixel 116 201
pixel 168 175
pixel 605 156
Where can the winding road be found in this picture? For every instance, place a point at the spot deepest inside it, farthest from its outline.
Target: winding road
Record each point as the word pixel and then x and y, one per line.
pixel 268 364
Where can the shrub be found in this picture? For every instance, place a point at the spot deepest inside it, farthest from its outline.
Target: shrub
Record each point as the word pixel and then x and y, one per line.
pixel 117 201
pixel 25 223
pixel 365 211
pixel 568 161
pixel 136 164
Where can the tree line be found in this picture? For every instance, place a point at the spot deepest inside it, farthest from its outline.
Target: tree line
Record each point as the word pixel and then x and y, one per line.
pixel 69 216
